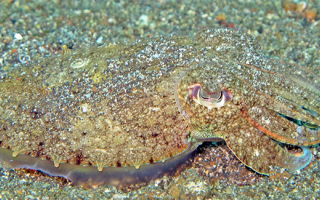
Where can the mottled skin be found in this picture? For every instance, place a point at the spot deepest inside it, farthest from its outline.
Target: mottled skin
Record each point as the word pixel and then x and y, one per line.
pixel 253 113
pixel 130 104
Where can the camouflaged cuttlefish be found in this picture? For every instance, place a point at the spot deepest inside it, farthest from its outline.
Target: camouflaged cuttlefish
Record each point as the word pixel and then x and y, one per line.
pixel 112 114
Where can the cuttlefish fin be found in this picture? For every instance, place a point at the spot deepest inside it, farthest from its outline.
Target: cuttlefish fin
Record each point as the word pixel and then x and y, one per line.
pixel 261 153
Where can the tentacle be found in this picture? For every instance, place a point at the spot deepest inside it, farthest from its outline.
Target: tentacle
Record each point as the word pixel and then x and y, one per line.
pixel 257 151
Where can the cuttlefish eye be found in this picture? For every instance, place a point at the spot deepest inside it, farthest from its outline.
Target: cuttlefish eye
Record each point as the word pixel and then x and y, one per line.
pixel 210 99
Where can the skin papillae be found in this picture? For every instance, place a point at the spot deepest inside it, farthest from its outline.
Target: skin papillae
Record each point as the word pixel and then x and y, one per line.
pixel 132 105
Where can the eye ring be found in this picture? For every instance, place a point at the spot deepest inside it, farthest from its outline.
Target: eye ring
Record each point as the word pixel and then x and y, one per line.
pixel 79 63
pixel 209 99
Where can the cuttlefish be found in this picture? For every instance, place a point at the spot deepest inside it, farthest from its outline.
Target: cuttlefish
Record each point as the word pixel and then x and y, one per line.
pixel 130 112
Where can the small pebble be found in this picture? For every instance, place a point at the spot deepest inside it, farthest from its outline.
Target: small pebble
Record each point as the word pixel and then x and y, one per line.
pixel 99 41
pixel 17 36
pixel 144 20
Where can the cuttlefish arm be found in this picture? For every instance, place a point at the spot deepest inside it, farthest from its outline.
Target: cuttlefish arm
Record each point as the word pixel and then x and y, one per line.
pixel 288 106
pixel 258 151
